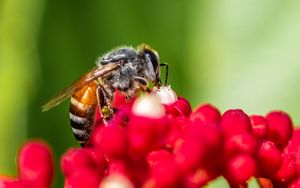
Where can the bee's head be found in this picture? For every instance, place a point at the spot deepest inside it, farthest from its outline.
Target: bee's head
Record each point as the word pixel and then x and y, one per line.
pixel 151 57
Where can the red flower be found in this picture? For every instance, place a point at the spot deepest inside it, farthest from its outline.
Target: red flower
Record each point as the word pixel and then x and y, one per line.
pixel 156 140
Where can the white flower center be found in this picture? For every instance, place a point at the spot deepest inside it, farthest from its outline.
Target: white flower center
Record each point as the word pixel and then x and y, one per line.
pixel 165 94
pixel 148 106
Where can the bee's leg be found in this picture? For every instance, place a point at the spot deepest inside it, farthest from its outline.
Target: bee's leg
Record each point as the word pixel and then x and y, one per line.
pixel 104 102
pixel 167 71
pixel 143 84
pixel 101 102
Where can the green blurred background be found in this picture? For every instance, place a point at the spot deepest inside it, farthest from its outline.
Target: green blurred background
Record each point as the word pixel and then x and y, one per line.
pixel 233 54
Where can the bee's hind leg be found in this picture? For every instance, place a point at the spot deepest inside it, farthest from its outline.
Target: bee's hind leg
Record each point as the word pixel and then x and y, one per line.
pixel 104 103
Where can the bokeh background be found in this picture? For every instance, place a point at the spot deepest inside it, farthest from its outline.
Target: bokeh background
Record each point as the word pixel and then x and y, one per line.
pixel 232 53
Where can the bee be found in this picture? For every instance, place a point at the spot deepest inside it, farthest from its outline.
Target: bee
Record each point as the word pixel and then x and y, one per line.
pixel 125 69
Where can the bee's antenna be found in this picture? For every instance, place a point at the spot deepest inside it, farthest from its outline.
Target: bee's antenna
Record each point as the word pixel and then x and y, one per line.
pixel 167 71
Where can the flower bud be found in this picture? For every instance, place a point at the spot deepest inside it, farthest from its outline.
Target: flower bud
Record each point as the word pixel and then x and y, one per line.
pixel 280 128
pixel 99 158
pixel 206 114
pixel 75 159
pixel 190 154
pixel 166 174
pixel 211 139
pixel 112 140
pixel 235 122
pixel 240 143
pixel 239 169
pixel 268 157
pixel 175 133
pixel 146 134
pixel 84 178
pixel 287 170
pixel 181 107
pixel 118 167
pixel 260 126
pixel 293 147
pixel 35 164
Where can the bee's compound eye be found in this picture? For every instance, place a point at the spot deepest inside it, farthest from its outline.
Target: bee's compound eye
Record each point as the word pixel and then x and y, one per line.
pixel 153 57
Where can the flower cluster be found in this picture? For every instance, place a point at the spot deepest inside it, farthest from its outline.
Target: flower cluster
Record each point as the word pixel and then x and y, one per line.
pixel 158 141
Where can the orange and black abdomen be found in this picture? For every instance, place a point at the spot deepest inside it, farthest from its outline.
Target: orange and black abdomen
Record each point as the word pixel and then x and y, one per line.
pixel 82 109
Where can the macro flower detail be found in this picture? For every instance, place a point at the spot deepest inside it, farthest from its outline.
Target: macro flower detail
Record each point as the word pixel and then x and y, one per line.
pixel 150 143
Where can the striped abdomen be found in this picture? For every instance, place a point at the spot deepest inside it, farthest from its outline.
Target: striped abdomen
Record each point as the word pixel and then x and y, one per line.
pixel 82 110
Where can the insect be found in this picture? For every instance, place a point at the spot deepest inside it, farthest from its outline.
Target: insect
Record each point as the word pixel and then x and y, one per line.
pixel 127 69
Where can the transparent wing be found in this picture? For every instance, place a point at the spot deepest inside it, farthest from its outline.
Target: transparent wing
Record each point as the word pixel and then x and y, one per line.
pixel 95 73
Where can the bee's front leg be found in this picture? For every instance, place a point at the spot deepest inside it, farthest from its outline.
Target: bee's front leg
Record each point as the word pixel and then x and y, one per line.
pixel 142 85
pixel 139 84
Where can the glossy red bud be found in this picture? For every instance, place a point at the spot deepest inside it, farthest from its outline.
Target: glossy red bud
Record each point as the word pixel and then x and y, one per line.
pixel 235 122
pixel 35 164
pixel 112 140
pixel 260 126
pixel 240 143
pixel 280 128
pixel 179 108
pixel 287 170
pixel 240 168
pixel 76 159
pixel 268 158
pixel 206 114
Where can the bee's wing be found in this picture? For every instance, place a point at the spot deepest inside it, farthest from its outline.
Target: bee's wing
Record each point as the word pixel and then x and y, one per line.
pixel 95 73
